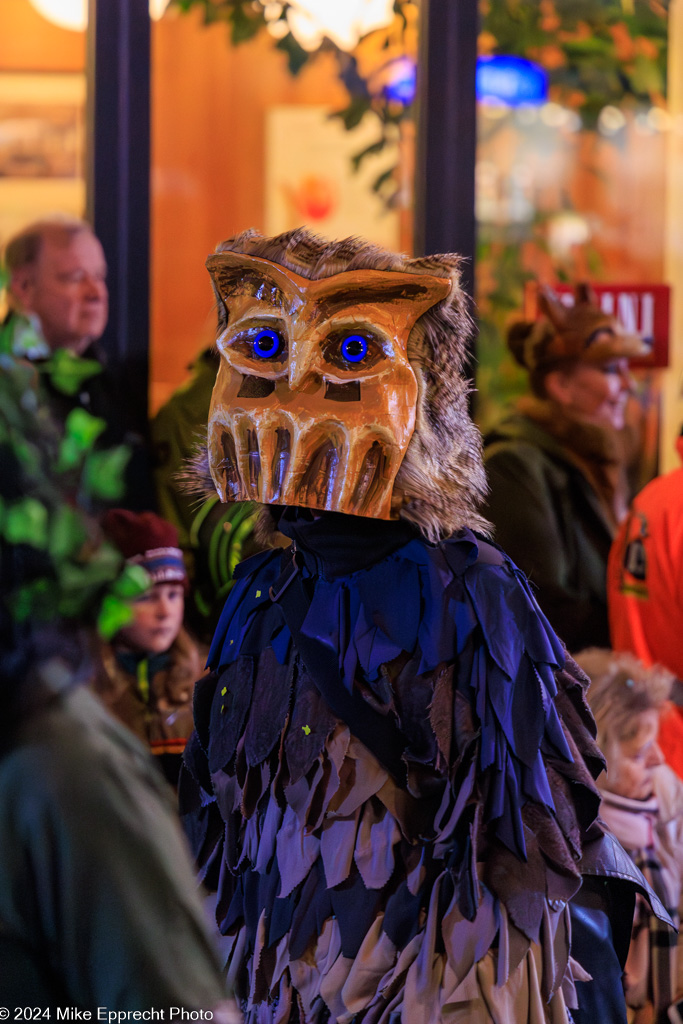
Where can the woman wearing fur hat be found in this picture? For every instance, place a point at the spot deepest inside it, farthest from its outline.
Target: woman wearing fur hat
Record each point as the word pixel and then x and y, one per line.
pixel 643 805
pixel 557 490
pixel 151 665
pixel 391 783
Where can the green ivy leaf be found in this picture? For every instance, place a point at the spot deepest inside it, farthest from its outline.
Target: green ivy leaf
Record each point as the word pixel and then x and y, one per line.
pixel 26 523
pixel 34 601
pixel 381 179
pixel 103 473
pixel 371 150
pixel 591 47
pixel 133 581
pixel 352 115
pixel 99 570
pixel 20 336
pixel 645 76
pixel 70 454
pixel 26 454
pixel 296 55
pixel 81 432
pixel 67 533
pixel 69 372
pixel 114 615
pixel 84 428
pixel 244 26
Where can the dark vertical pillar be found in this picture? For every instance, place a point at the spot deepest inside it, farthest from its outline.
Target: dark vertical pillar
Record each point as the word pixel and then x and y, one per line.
pixel 118 187
pixel 447 132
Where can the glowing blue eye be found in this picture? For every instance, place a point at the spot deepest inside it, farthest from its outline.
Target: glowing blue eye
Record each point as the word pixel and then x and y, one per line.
pixel 354 348
pixel 266 344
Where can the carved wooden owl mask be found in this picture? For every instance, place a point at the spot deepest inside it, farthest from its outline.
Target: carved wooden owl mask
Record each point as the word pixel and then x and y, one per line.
pixel 315 399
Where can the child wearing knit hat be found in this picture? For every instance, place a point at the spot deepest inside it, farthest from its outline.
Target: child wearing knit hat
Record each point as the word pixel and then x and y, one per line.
pixel 151 665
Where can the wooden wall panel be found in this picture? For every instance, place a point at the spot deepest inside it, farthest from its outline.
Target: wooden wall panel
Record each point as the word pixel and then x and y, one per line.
pixel 209 102
pixel 28 42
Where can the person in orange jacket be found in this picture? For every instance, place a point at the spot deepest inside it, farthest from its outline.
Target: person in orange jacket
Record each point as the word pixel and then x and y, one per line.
pixel 644 592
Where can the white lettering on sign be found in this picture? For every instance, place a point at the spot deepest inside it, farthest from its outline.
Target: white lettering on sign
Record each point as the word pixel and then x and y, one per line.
pixel 627 306
pixel 647 317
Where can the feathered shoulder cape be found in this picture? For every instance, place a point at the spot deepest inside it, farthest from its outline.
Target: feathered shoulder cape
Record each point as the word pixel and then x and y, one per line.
pixel 342 889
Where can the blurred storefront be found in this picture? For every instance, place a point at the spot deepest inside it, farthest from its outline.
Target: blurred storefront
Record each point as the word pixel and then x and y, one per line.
pixel 579 151
pixel 580 133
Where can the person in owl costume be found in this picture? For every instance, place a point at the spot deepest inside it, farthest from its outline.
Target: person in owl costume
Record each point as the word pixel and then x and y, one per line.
pixel 390 788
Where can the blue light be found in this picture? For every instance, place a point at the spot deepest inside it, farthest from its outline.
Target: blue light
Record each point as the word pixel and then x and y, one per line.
pixel 402 81
pixel 510 80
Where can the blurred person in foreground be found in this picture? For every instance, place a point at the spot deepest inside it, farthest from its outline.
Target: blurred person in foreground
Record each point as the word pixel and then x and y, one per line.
pixel 642 802
pixel 58 311
pixel 152 663
pixel 644 591
pixel 557 483
pixel 98 903
pixel 391 783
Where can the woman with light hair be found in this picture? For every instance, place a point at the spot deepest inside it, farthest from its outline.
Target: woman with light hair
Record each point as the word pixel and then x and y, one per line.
pixel 643 806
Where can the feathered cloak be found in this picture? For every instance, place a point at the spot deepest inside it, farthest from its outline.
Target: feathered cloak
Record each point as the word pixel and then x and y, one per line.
pixel 348 895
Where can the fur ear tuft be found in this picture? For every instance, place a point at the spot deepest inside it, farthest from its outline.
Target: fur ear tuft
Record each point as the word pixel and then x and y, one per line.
pixel 549 304
pixel 585 295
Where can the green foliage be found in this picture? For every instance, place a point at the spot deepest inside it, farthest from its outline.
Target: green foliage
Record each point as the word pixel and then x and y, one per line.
pixel 20 336
pixel 69 372
pixel 352 115
pixel 67 533
pixel 133 581
pixel 596 52
pixel 80 433
pixel 54 561
pixel 26 522
pixel 245 23
pixel 297 57
pixel 103 473
pixel 114 614
pixel 246 19
pixel 607 50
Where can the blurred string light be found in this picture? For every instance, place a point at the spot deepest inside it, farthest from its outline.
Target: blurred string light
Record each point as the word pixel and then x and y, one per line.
pixel 343 22
pixel 73 14
pixel 611 120
pixel 566 230
pixel 646 122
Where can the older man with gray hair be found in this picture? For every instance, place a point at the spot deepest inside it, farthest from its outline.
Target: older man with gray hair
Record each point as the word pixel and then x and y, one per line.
pixel 59 304
pixel 57 278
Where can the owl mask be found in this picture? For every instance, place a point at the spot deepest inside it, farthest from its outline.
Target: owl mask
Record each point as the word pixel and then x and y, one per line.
pixel 318 395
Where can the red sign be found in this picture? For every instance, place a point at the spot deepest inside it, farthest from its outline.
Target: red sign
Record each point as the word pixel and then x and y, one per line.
pixel 640 308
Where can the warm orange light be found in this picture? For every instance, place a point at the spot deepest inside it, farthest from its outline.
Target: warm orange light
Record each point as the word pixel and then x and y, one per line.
pixel 73 14
pixel 344 22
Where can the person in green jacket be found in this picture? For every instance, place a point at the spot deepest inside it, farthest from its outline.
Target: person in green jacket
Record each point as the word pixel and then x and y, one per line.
pixel 555 469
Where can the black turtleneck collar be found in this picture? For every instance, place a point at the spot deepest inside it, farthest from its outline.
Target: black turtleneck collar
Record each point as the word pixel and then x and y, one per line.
pixel 335 544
